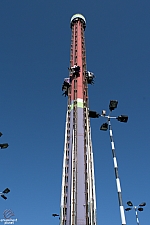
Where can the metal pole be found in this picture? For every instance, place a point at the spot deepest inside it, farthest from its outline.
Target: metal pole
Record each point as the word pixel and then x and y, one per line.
pixel 122 214
pixel 136 213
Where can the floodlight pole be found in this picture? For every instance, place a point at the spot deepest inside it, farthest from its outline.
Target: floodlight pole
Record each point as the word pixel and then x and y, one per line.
pixel 136 208
pixel 104 127
pixel 136 213
pixel 122 213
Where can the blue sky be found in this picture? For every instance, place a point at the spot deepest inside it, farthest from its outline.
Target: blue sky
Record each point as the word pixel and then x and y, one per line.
pixel 34 56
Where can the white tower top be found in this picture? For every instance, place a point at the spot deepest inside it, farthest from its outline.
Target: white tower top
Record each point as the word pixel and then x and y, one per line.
pixel 78 17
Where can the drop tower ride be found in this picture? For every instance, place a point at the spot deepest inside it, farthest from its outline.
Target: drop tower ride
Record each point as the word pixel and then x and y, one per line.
pixel 78 201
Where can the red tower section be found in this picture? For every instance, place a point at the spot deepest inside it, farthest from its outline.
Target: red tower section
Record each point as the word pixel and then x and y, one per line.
pixel 78 56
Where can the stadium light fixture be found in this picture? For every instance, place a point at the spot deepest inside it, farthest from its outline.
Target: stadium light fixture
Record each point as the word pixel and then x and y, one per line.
pixel 136 208
pixel 104 127
pixel 6 191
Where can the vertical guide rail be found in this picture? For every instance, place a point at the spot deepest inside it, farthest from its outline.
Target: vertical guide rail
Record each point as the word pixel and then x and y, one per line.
pixel 122 214
pixel 85 116
pixel 73 216
pixel 65 175
pixel 90 178
pixel 67 160
pixel 74 148
pixel 63 179
pixel 94 220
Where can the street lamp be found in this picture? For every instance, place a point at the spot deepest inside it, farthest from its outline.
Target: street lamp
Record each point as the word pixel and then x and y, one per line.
pixel 104 127
pixel 113 104
pixel 6 191
pixel 5 145
pixel 55 215
pixel 136 208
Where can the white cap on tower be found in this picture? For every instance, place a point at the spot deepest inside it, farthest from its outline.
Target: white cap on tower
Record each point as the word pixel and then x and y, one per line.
pixel 78 17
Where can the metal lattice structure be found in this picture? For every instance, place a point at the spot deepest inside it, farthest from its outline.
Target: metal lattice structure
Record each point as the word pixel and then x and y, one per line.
pixel 78 201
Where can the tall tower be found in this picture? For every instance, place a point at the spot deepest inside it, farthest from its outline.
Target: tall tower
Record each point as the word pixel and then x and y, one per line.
pixel 78 201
